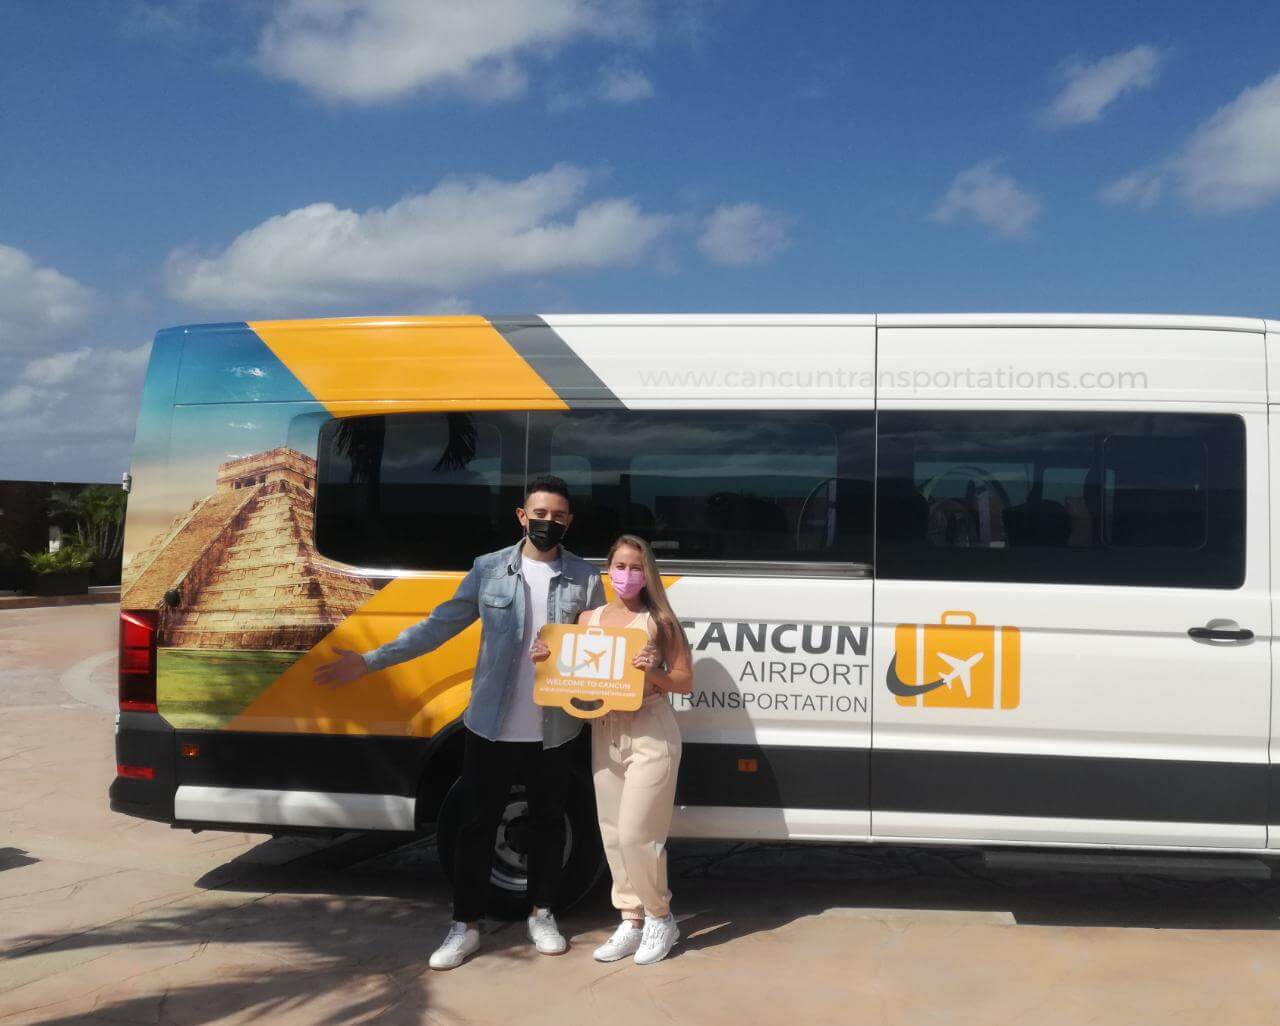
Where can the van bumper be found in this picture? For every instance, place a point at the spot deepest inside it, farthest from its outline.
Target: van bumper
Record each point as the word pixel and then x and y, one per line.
pixel 145 739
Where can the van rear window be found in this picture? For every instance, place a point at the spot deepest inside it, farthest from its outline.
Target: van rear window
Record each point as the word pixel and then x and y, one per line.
pixel 426 491
pixel 1134 499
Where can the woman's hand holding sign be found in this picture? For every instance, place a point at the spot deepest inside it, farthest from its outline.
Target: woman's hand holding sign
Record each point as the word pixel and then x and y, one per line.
pixel 646 659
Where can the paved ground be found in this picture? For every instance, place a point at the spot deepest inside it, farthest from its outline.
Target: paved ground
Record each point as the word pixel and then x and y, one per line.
pixel 104 919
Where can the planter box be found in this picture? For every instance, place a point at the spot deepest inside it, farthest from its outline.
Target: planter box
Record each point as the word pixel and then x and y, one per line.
pixel 105 572
pixel 45 585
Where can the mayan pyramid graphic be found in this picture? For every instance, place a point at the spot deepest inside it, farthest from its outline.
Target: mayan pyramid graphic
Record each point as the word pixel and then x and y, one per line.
pixel 245 565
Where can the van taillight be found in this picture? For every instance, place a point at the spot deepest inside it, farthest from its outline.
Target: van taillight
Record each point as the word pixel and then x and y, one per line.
pixel 137 661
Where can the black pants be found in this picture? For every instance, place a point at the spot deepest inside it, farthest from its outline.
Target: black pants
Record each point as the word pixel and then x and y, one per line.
pixel 489 769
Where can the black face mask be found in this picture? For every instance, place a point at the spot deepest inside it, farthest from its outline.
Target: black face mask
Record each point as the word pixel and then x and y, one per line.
pixel 545 534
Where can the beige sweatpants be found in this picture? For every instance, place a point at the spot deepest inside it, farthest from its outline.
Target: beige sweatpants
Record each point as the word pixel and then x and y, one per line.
pixel 634 759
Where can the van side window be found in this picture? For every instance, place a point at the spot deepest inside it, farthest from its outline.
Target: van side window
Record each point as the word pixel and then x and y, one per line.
pixel 728 485
pixel 1140 499
pixel 418 491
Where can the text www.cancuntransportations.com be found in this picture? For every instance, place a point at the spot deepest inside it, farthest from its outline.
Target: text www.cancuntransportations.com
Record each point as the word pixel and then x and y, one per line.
pixel 917 380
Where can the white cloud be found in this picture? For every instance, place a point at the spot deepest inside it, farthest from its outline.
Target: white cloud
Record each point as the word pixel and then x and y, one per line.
pixel 48 371
pixel 1142 189
pixel 614 83
pixel 743 233
pixel 67 409
pixel 177 18
pixel 18 399
pixel 1231 161
pixel 462 232
pixel 449 306
pixel 84 370
pixel 1088 89
pixel 984 195
pixel 621 83
pixel 369 51
pixel 70 416
pixel 38 305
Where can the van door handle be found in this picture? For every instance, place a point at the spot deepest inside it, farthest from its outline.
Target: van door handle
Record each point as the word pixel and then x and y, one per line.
pixel 1220 634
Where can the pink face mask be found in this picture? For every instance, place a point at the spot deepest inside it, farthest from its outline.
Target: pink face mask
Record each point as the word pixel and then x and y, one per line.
pixel 627 583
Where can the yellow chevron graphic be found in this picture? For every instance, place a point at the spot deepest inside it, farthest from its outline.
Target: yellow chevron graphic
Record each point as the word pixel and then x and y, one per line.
pixel 413 699
pixel 360 366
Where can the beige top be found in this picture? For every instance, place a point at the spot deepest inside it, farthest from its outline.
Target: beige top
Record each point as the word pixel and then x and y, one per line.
pixel 643 621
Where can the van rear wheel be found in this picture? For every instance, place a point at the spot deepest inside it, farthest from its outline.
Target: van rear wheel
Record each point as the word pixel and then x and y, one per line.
pixel 509 879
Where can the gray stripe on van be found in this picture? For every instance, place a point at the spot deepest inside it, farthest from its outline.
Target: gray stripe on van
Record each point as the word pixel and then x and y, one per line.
pixel 558 365
pixel 977 783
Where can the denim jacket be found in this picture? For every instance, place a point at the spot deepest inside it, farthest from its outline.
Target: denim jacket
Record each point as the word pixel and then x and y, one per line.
pixel 492 592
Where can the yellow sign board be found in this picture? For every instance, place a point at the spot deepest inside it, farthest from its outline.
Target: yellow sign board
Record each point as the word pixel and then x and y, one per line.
pixel 589 671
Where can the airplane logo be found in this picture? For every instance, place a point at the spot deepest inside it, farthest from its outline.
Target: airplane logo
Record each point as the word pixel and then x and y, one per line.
pixel 956 663
pixel 592 663
pixel 960 668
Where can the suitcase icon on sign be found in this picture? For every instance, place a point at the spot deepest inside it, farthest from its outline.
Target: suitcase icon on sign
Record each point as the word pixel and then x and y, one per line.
pixel 592 655
pixel 956 664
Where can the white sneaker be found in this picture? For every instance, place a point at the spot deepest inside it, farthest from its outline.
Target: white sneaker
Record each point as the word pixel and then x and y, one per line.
pixel 625 941
pixel 660 936
pixel 459 943
pixel 546 935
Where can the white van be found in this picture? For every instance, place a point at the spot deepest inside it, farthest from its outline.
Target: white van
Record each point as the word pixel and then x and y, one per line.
pixel 964 579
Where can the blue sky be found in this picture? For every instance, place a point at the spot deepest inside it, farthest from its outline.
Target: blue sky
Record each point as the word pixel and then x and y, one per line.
pixel 164 163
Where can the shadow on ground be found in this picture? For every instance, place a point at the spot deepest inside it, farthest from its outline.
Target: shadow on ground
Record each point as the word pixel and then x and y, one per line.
pixel 743 888
pixel 325 936
pixel 15 858
pixel 344 931
pixel 784 882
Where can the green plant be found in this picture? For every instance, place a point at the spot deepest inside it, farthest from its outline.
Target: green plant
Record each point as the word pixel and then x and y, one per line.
pixel 98 514
pixel 70 559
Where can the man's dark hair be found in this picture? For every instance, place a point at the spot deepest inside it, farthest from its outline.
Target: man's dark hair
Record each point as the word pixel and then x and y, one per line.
pixel 548 483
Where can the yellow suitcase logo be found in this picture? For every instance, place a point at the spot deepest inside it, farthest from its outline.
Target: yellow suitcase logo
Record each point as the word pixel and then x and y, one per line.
pixel 956 664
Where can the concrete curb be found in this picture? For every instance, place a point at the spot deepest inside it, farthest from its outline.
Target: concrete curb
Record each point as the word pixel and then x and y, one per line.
pixel 98 596
pixel 80 684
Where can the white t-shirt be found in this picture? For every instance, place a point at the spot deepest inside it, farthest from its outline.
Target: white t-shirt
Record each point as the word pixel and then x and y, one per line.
pixel 523 721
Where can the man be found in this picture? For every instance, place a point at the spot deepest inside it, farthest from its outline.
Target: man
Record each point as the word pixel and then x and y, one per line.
pixel 514 592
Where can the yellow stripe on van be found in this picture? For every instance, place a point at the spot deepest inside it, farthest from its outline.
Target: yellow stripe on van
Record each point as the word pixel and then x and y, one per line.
pixel 359 366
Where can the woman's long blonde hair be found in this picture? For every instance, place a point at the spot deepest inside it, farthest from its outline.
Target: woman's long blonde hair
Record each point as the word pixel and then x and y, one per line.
pixel 654 594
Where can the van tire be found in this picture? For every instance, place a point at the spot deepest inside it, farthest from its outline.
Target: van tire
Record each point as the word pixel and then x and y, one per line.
pixel 508 890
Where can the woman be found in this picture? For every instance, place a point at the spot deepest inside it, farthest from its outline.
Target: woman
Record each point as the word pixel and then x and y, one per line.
pixel 635 755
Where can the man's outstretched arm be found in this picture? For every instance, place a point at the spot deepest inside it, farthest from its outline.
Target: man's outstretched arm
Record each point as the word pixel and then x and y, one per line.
pixel 446 620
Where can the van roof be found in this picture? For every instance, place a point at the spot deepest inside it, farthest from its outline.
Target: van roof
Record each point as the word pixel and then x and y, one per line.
pixel 884 320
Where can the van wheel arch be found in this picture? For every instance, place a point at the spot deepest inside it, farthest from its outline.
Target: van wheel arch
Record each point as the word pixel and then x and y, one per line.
pixel 441 766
